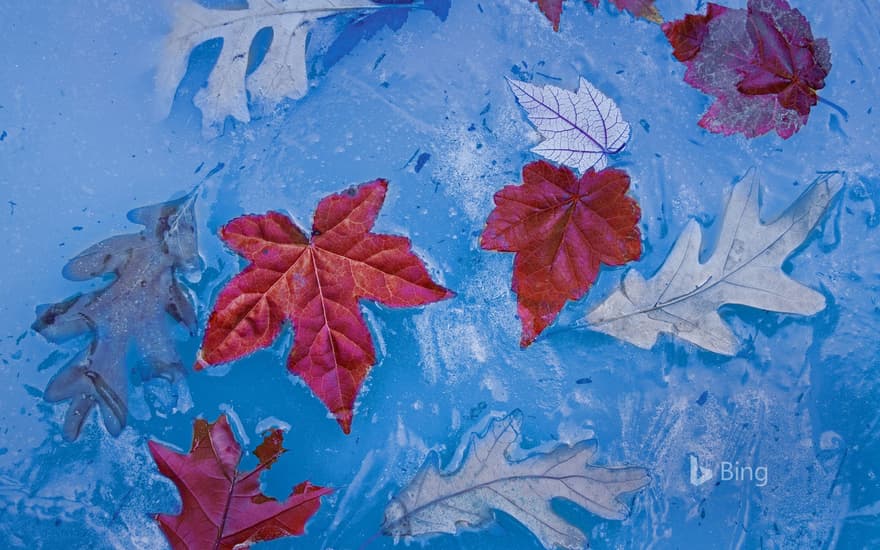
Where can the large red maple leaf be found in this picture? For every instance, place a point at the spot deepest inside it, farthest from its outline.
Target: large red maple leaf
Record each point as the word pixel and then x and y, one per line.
pixel 222 507
pixel 761 63
pixel 646 9
pixel 561 229
pixel 316 282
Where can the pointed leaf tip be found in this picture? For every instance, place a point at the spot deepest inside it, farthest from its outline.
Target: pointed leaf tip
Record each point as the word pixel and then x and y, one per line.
pixel 580 129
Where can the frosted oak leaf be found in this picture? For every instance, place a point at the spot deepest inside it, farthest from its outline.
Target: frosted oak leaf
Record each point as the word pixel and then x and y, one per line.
pixel 281 73
pixel 745 268
pixel 580 129
pixel 131 312
pixel 489 479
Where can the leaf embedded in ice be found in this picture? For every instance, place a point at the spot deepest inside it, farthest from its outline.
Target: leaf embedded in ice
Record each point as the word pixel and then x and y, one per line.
pixel 562 228
pixel 552 9
pixel 281 73
pixel 488 480
pixel 580 129
pixel 316 282
pixel 745 268
pixel 131 310
pixel 761 63
pixel 223 507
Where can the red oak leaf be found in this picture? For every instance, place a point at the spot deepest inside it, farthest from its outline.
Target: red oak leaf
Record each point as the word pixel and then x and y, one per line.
pixel 761 63
pixel 561 228
pixel 316 282
pixel 646 9
pixel 222 507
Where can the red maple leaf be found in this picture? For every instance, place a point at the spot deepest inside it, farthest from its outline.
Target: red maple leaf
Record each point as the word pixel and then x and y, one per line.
pixel 561 228
pixel 761 63
pixel 646 9
pixel 222 507
pixel 316 282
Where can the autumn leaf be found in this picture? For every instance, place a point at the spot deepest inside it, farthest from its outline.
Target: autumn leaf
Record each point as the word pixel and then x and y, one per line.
pixel 561 229
pixel 645 9
pixel 580 129
pixel 132 310
pixel 316 282
pixel 487 478
pixel 224 508
pixel 761 63
pixel 238 74
pixel 745 268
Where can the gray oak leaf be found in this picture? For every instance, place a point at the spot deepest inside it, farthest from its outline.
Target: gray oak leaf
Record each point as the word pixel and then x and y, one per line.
pixel 281 73
pixel 131 311
pixel 745 268
pixel 580 129
pixel 487 479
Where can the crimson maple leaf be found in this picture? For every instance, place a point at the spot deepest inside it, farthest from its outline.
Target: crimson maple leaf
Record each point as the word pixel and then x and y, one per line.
pixel 761 63
pixel 561 228
pixel 222 507
pixel 646 9
pixel 316 282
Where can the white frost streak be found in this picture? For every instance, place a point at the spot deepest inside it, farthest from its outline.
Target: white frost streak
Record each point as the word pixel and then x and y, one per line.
pixel 580 129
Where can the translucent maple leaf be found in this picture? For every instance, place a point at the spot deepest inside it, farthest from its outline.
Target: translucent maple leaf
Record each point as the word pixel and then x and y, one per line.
pixel 580 129
pixel 762 64
pixel 745 268
pixel 487 479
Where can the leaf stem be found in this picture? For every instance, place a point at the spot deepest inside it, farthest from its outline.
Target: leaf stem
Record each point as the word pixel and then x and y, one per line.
pixel 836 107
pixel 371 540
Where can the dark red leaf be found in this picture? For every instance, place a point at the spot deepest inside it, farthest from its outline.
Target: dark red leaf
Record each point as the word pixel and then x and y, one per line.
pixel 316 282
pixel 222 507
pixel 561 228
pixel 687 35
pixel 761 63
pixel 646 9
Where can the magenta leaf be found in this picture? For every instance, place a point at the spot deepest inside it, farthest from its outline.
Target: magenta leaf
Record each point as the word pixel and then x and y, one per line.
pixel 761 63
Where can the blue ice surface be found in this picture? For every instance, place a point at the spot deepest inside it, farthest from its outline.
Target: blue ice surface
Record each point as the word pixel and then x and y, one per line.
pixel 82 145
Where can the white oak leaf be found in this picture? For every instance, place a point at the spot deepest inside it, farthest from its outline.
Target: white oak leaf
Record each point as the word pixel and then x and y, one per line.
pixel 281 73
pixel 745 268
pixel 580 129
pixel 487 479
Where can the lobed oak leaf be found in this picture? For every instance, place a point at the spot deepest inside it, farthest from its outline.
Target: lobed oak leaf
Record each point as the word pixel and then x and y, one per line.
pixel 238 74
pixel 489 478
pixel 224 508
pixel 131 311
pixel 552 9
pixel 744 268
pixel 561 229
pixel 316 282
pixel 761 63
